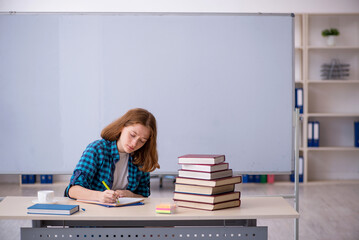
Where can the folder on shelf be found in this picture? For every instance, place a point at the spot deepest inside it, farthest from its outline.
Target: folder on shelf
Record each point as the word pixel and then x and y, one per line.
pixel 300 170
pixel 316 134
pixel 270 178
pixel 299 99
pixel 356 134
pixel 310 134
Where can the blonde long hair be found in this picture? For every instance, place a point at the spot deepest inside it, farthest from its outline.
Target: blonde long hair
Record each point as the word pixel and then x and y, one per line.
pixel 146 157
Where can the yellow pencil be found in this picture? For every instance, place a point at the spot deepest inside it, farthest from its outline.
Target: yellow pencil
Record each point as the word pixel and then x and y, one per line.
pixel 106 185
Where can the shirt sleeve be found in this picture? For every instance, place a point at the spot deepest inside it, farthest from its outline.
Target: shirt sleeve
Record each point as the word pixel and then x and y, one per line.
pixel 85 170
pixel 144 185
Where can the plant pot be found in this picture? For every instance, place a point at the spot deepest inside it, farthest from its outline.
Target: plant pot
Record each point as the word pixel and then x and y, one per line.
pixel 331 40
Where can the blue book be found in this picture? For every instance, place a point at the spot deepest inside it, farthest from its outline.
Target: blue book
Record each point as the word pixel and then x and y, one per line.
pixel 52 209
pixel 356 134
pixel 299 99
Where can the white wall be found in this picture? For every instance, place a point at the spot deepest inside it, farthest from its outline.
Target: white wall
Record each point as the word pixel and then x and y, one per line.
pixel 240 6
pixel 224 6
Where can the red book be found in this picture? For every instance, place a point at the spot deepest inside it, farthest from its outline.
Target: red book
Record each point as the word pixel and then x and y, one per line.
pixel 205 167
pixel 210 183
pixel 205 175
pixel 204 190
pixel 207 198
pixel 201 159
pixel 208 206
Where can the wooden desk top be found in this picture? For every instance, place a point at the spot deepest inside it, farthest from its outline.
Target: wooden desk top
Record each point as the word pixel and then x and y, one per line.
pixel 251 208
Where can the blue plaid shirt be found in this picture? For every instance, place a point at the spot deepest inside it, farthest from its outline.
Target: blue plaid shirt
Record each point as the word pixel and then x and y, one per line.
pixel 97 164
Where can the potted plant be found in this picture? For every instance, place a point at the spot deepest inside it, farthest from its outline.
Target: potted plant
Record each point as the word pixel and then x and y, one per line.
pixel 331 35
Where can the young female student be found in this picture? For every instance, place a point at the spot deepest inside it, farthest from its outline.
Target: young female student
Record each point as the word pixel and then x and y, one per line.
pixel 122 159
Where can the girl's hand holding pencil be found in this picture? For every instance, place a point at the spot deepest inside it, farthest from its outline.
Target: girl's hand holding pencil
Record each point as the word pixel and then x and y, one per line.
pixel 108 196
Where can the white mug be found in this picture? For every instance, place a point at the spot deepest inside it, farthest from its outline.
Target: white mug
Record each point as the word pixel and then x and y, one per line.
pixel 45 196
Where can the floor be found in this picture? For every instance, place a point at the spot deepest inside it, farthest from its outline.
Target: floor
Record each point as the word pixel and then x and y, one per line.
pixel 328 210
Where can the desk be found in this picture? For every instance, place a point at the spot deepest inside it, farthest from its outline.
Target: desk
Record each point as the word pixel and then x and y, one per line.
pixel 141 222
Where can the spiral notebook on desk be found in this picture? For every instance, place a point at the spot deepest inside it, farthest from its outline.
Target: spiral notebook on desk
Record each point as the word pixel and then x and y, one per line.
pixel 120 202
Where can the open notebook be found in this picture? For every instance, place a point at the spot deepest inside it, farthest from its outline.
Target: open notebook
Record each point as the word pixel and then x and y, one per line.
pixel 120 202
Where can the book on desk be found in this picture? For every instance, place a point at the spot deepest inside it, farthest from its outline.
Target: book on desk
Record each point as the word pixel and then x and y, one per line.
pixel 53 209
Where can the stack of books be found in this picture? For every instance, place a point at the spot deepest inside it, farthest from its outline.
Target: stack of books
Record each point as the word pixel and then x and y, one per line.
pixel 206 182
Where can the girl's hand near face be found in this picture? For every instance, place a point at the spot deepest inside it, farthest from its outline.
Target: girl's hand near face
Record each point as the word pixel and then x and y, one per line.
pixel 108 196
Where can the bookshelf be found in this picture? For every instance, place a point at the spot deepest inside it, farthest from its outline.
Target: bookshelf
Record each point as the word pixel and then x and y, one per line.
pixel 334 103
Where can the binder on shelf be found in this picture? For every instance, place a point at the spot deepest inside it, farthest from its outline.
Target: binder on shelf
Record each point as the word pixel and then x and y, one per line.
pixel 24 179
pixel 257 178
pixel 270 178
pixel 310 134
pixel 46 179
pixel 245 178
pixel 250 178
pixel 316 134
pixel 299 99
pixel 301 170
pixel 263 178
pixel 49 178
pixel 31 178
pixel 356 134
pixel 28 179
